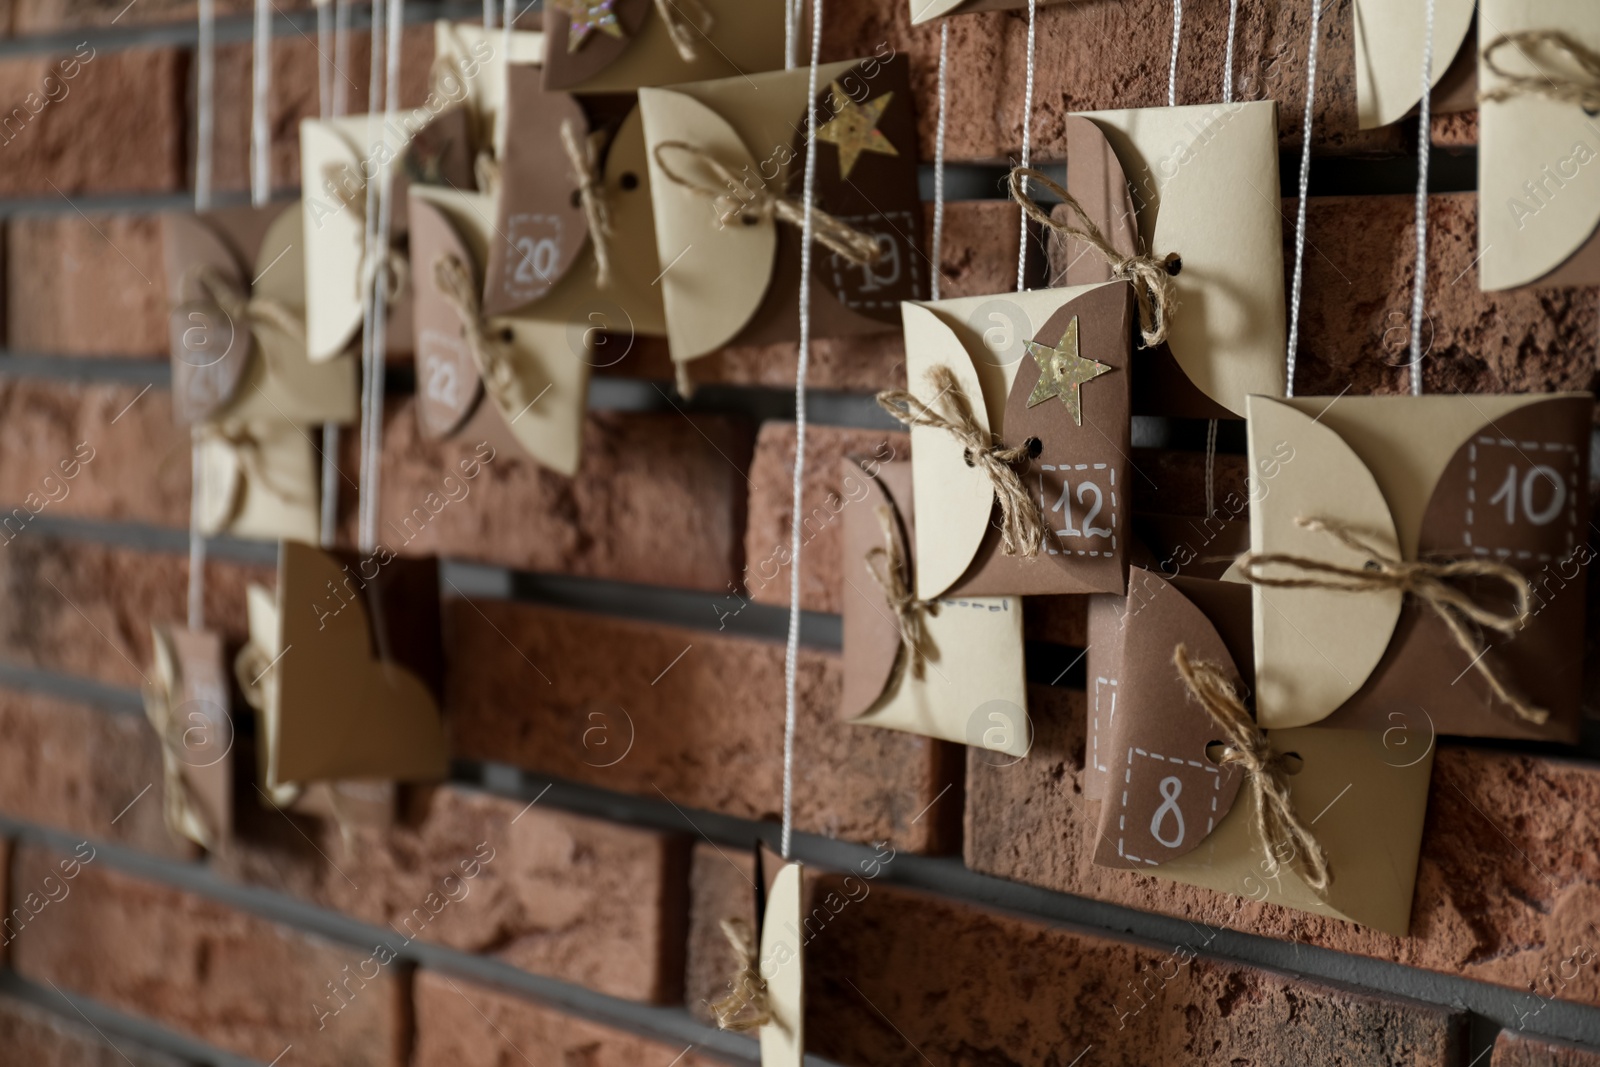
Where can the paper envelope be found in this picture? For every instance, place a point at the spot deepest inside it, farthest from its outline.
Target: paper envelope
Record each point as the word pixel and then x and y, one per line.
pixel 479 58
pixel 257 368
pixel 928 10
pixel 973 686
pixel 1390 38
pixel 1202 182
pixel 1539 194
pixel 781 936
pixel 635 48
pixel 738 283
pixel 258 480
pixel 353 688
pixel 1168 809
pixel 541 408
pixel 189 699
pixel 1081 471
pixel 1502 478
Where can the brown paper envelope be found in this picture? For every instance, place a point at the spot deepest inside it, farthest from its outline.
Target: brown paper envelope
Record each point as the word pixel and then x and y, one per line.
pixel 738 283
pixel 974 686
pixel 1080 472
pixel 551 340
pixel 782 963
pixel 1390 39
pixel 258 481
pixel 1421 476
pixel 1539 201
pixel 481 56
pixel 928 10
pixel 742 38
pixel 359 675
pixel 191 670
pixel 1204 184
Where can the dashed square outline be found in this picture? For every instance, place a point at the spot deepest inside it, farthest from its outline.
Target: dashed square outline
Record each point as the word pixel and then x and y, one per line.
pixel 1524 449
pixel 1127 780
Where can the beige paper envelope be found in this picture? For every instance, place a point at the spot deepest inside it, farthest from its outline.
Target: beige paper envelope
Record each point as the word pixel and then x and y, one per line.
pixel 962 335
pixel 1538 179
pixel 1390 37
pixel 928 10
pixel 782 963
pixel 744 37
pixel 258 481
pixel 482 54
pixel 1204 180
pixel 261 610
pixel 551 337
pixel 1377 464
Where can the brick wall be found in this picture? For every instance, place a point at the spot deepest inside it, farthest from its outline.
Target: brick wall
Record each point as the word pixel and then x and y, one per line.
pixel 615 674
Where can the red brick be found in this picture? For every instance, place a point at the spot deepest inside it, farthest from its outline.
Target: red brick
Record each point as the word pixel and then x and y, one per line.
pixel 83 771
pixel 659 499
pixel 225 977
pixel 1505 893
pixel 91 286
pixel 47 16
pixel 582 900
pixel 463 1022
pixel 119 128
pixel 38 1038
pixel 1521 1050
pixel 530 685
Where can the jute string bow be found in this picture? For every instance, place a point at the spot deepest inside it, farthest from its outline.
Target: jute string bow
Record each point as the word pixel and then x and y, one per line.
pixel 736 199
pixel 181 808
pixel 584 155
pixel 1425 580
pixel 251 467
pixel 1277 825
pixel 1022 528
pixel 745 1007
pixel 351 192
pixel 886 564
pixel 240 307
pixel 1153 287
pixel 1581 87
pixel 454 282
pixel 681 26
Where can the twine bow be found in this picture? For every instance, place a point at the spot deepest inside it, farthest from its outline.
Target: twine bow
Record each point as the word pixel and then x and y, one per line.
pixel 1153 287
pixel 351 192
pixel 1022 528
pixel 241 307
pixel 745 1007
pixel 242 441
pixel 1425 580
pixel 454 282
pixel 886 564
pixel 737 200
pixel 679 25
pixel 1276 822
pixel 180 805
pixel 1563 85
pixel 584 155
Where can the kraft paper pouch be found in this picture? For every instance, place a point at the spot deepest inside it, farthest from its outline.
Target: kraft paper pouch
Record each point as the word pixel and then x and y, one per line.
pixel 246 361
pixel 1201 182
pixel 993 345
pixel 346 668
pixel 612 46
pixel 187 703
pixel 737 283
pixel 1498 478
pixel 1390 38
pixel 928 10
pixel 1168 809
pixel 535 391
pixel 258 480
pixel 971 686
pixel 470 66
pixel 1539 192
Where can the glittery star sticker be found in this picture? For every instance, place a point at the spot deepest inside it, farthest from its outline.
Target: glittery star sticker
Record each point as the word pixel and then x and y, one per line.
pixel 854 128
pixel 1062 372
pixel 586 16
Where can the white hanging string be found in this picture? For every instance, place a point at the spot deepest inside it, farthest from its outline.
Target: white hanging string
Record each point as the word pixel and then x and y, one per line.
pixel 260 119
pixel 205 124
pixel 791 658
pixel 938 162
pixel 488 13
pixel 508 17
pixel 1227 71
pixel 1424 144
pixel 341 56
pixel 330 43
pixel 1027 142
pixel 791 31
pixel 370 280
pixel 1172 64
pixel 324 59
pixel 1300 206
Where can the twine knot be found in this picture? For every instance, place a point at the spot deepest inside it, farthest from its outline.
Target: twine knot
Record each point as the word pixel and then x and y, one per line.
pixel 351 192
pixel 239 306
pixel 1022 528
pixel 746 203
pixel 1247 747
pixel 745 1007
pixel 453 281
pixel 887 565
pixel 180 807
pixel 679 25
pixel 1427 580
pixel 1151 276
pixel 584 155
pixel 1553 82
pixel 246 447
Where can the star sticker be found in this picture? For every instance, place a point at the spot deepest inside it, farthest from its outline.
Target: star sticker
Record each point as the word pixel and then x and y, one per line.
pixel 586 16
pixel 1062 372
pixel 854 128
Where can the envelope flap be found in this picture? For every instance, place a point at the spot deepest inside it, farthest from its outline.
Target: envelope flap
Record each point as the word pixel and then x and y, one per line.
pixel 872 644
pixel 634 293
pixel 334 235
pixel 476 55
pixel 928 10
pixel 1314 647
pixel 782 962
pixel 1390 38
pixel 1096 180
pixel 448 383
pixel 1540 187
pixel 587 37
